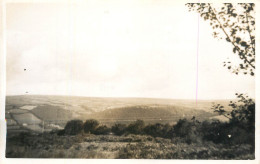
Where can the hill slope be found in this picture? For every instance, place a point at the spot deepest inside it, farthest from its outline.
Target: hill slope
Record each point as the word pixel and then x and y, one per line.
pixel 150 114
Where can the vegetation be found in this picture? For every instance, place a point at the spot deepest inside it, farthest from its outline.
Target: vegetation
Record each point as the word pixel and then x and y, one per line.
pixel 73 127
pixel 136 127
pixel 242 119
pixel 118 129
pixel 103 129
pixel 90 125
pixel 50 145
pixel 188 138
pixel 236 24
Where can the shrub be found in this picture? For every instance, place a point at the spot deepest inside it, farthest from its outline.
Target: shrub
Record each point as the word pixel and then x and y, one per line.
pixel 241 120
pixel 90 125
pixel 211 130
pixel 136 127
pixel 188 130
pixel 60 132
pixel 103 129
pixel 168 131
pixel 155 130
pixel 182 128
pixel 118 129
pixel 159 130
pixel 73 127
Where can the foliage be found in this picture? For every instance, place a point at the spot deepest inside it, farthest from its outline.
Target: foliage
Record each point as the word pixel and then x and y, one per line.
pixel 103 129
pixel 188 130
pixel 158 130
pixel 73 127
pixel 108 146
pixel 136 127
pixel 235 23
pixel 118 129
pixel 243 112
pixel 90 125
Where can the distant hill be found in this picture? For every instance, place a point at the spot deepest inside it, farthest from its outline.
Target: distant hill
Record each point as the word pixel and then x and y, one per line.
pixel 96 104
pixel 57 110
pixel 150 114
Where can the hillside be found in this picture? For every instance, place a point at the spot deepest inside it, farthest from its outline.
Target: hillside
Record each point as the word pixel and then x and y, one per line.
pixel 43 113
pixel 150 114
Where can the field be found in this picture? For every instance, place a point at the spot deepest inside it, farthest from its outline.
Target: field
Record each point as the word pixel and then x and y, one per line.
pixel 35 129
pixel 124 147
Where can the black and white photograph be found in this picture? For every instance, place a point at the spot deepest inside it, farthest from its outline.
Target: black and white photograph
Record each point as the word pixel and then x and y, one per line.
pixel 114 79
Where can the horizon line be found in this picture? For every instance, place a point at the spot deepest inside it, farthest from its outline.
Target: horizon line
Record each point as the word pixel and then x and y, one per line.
pixel 122 97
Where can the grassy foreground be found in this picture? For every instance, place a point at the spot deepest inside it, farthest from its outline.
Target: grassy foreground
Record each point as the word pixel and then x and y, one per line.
pixel 50 145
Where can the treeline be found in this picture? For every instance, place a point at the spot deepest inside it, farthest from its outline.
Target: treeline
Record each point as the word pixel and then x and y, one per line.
pixel 188 131
pixel 240 129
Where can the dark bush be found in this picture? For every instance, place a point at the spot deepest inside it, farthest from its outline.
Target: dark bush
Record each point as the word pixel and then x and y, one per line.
pixel 211 131
pixel 241 125
pixel 188 130
pixel 168 131
pixel 183 128
pixel 155 130
pixel 103 129
pixel 73 127
pixel 60 132
pixel 118 129
pixel 136 127
pixel 90 125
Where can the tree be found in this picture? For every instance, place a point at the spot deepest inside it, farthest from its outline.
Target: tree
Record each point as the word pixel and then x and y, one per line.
pixel 241 120
pixel 243 111
pixel 73 127
pixel 118 129
pixel 90 125
pixel 103 129
pixel 155 130
pixel 136 127
pixel 235 23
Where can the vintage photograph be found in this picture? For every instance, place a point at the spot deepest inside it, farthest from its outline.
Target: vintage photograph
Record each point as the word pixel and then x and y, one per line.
pixel 130 80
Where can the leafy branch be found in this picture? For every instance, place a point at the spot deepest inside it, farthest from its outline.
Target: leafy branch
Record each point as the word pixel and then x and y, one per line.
pixel 237 25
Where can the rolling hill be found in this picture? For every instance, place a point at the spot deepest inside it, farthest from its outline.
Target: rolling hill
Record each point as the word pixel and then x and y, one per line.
pixel 34 112
pixel 150 114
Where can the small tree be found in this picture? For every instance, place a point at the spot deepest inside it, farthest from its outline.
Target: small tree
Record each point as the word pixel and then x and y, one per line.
pixel 73 127
pixel 243 111
pixel 103 129
pixel 155 130
pixel 118 129
pixel 136 127
pixel 188 130
pixel 241 119
pixel 90 125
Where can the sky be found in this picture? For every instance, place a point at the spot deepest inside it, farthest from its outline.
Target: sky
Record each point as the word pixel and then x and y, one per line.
pixel 116 49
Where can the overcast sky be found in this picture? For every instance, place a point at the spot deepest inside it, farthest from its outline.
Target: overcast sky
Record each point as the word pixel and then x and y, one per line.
pixel 115 49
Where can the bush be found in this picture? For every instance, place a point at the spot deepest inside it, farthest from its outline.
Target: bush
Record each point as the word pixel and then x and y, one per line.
pixel 154 130
pixel 73 127
pixel 188 130
pixel 136 127
pixel 159 130
pixel 241 124
pixel 211 131
pixel 118 129
pixel 60 132
pixel 90 125
pixel 103 129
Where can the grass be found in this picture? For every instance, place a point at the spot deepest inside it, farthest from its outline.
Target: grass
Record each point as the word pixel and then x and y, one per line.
pixel 48 145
